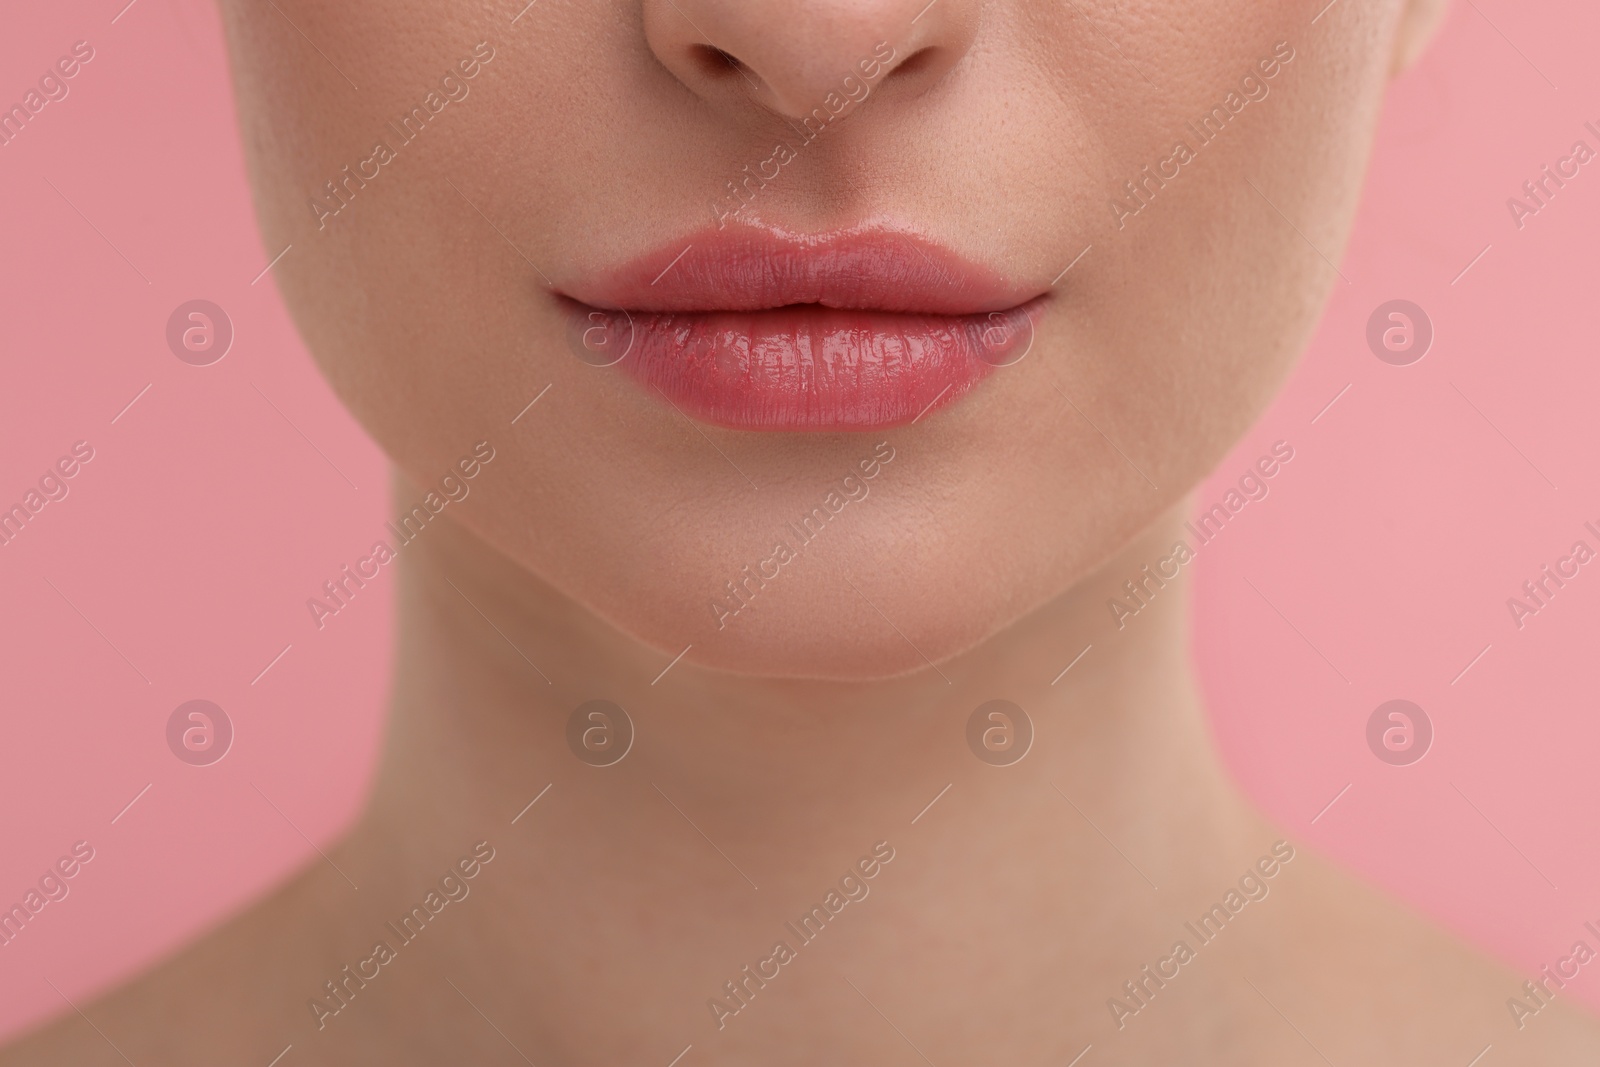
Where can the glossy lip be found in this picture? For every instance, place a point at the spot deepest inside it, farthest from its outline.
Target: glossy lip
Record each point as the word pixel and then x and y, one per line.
pixel 760 330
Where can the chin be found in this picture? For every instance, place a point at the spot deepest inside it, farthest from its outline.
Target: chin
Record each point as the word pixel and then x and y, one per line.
pixel 869 606
pixel 839 639
pixel 828 633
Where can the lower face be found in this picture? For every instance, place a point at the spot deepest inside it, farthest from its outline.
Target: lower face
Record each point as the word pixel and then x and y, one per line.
pixel 815 404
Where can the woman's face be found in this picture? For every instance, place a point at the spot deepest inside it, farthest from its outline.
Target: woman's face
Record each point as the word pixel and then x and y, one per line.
pixel 1051 258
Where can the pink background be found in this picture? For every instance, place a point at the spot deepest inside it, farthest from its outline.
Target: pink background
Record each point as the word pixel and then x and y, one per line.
pixel 206 518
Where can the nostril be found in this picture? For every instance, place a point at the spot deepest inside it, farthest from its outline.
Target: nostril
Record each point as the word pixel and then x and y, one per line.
pixel 915 63
pixel 790 59
pixel 716 63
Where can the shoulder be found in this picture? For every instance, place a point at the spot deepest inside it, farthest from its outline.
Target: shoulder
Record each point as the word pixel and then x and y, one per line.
pixel 236 994
pixel 1384 985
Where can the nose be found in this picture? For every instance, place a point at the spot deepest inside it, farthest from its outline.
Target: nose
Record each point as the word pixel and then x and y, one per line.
pixel 790 56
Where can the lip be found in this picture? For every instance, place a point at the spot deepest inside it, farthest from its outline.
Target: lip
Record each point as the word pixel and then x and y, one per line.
pixel 755 329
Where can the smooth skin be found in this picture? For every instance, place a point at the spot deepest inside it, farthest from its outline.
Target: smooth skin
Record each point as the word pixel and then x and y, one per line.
pixel 783 746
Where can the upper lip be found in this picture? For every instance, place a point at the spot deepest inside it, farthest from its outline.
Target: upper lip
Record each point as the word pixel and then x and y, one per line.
pixel 750 269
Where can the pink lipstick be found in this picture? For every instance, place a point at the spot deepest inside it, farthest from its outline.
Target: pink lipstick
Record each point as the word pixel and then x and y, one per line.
pixel 755 330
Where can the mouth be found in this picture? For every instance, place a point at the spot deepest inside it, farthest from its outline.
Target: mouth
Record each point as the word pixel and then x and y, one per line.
pixel 755 330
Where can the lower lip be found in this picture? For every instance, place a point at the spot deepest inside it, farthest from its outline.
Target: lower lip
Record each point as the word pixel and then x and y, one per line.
pixel 804 367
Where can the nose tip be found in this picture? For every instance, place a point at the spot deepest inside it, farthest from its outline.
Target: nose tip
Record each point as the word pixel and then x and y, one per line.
pixel 792 56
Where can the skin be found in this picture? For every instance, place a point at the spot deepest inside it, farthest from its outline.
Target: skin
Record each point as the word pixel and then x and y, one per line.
pixel 827 716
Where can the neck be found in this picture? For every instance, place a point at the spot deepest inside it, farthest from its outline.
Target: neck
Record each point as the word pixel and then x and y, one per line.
pixel 742 799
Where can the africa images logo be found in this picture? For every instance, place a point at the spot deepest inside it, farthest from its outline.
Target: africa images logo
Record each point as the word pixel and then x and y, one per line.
pixel 852 887
pixel 810 525
pixel 452 887
pixel 342 589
